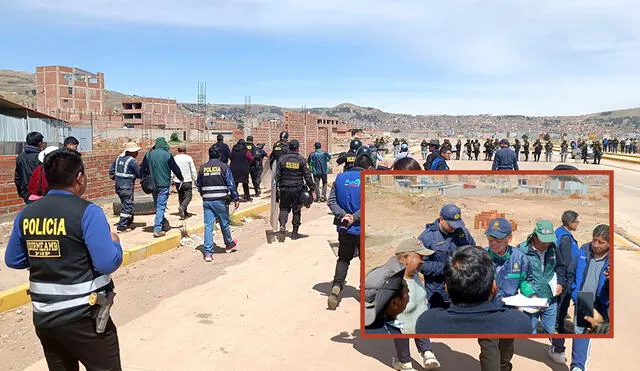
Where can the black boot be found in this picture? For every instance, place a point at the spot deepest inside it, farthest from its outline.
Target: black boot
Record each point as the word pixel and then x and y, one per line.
pixel 294 234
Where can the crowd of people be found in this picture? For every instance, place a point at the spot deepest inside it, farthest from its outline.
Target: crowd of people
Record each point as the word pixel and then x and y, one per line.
pixel 443 283
pixel 72 286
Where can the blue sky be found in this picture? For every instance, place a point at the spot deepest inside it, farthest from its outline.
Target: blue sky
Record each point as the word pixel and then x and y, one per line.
pixel 405 56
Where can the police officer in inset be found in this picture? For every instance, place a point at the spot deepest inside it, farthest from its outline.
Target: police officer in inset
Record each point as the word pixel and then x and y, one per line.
pixel 70 253
pixel 223 149
pixel 344 203
pixel 505 158
pixel 349 158
pixel 458 149
pixel 253 167
pixel 548 151
pixel 291 177
pixel 125 170
pixel 258 167
pixel 443 236
pixel 281 147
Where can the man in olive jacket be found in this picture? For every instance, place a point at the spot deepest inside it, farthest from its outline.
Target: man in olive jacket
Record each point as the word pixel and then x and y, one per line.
pixel 160 163
pixel 540 249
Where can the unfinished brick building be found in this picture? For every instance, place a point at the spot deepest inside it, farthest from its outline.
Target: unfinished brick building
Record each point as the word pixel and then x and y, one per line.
pixel 306 128
pixel 62 89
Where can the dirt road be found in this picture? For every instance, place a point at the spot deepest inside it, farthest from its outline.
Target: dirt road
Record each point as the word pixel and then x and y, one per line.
pixel 264 307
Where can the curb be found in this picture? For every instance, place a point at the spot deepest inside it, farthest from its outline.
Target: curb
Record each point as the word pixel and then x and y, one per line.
pixel 18 296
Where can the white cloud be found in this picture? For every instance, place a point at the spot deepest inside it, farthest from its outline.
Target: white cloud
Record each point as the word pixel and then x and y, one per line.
pixel 587 43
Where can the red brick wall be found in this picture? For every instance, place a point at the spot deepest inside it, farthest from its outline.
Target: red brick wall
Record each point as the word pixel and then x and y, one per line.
pixel 97 165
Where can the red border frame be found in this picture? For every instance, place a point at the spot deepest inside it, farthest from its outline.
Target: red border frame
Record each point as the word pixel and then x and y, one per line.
pixel 609 173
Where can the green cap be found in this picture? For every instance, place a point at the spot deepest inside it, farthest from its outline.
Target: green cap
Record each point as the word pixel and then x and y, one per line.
pixel 544 231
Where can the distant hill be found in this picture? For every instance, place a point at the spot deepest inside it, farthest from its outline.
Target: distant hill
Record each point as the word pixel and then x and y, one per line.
pixel 19 86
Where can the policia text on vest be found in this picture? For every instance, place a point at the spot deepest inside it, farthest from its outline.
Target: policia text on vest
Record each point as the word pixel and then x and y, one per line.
pixel 70 252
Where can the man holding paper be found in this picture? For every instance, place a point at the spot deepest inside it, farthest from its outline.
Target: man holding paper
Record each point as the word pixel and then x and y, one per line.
pixel 540 249
pixel 511 271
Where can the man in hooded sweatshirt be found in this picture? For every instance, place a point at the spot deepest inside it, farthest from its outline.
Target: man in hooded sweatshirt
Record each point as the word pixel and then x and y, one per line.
pixel 26 162
pixel 160 163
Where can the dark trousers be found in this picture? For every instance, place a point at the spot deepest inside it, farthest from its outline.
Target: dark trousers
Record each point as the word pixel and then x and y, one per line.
pixel 526 156
pixel 126 211
pixel 317 179
pixel 348 244
pixel 256 173
pixel 563 308
pixel 457 153
pixel 402 348
pixel 476 154
pixel 496 354
pixel 536 156
pixel 245 188
pixel 78 341
pixel 185 194
pixel 290 201
pixel 596 158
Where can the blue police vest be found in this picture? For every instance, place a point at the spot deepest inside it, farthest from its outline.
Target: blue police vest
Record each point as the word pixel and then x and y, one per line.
pixel 347 187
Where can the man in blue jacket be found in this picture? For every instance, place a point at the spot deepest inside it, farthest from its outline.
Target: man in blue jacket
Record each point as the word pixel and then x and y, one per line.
pixel 589 272
pixel 318 163
pixel 70 251
pixel 443 236
pixel 567 251
pixel 344 203
pixel 511 272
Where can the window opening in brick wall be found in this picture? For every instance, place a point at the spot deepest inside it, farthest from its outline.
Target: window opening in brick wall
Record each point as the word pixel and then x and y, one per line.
pixel 70 90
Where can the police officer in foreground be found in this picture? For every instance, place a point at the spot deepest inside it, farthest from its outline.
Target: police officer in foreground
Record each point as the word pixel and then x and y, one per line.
pixel 291 177
pixel 505 158
pixel 443 236
pixel 124 170
pixel 344 203
pixel 349 158
pixel 280 148
pixel 70 253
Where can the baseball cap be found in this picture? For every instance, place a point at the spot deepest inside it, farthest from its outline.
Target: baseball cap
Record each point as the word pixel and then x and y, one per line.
pixel 387 290
pixel 404 146
pixel 504 141
pixel 411 245
pixel 294 144
pixel 498 228
pixel 452 215
pixel 434 142
pixel 544 231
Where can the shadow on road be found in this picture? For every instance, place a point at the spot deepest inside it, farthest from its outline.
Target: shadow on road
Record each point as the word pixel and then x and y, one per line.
pixel 347 292
pixel 383 350
pixel 529 348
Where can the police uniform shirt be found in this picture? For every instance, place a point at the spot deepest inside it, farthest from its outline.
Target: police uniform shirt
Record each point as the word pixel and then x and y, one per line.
pixel 293 171
pixel 70 254
pixel 348 159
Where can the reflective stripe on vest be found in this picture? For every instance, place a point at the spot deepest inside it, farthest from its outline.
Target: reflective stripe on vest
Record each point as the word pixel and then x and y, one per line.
pixel 74 289
pixel 52 307
pixel 124 168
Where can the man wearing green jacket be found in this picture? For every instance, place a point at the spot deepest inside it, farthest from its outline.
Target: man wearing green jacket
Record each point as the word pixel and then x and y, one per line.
pixel 540 249
pixel 160 163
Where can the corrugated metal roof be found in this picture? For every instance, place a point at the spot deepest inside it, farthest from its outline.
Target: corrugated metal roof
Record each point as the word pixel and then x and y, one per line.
pixel 19 110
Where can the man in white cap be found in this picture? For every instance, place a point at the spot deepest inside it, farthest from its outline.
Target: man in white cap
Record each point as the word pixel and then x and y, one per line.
pixel 125 170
